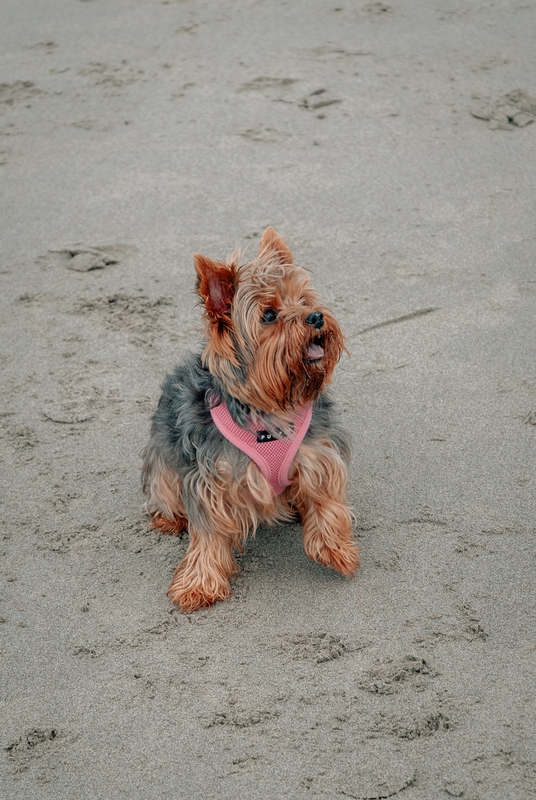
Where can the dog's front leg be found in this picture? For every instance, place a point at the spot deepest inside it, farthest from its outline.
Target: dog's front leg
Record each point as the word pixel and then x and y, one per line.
pixel 202 577
pixel 218 521
pixel 320 483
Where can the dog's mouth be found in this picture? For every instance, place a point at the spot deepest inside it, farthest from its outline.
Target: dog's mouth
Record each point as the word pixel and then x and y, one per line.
pixel 315 349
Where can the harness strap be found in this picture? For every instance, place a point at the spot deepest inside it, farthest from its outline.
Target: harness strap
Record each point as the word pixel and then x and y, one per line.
pixel 272 456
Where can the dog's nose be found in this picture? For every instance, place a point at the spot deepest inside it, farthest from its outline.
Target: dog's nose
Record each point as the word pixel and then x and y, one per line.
pixel 316 319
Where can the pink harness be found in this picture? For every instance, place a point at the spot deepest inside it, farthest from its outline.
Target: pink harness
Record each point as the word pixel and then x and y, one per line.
pixel 272 456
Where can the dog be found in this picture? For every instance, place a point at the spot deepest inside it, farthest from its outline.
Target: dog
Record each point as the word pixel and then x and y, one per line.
pixel 244 431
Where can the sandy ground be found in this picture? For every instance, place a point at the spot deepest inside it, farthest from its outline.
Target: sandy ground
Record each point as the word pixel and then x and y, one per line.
pixel 155 129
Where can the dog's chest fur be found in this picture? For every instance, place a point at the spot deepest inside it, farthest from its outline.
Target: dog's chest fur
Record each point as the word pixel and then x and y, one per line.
pixel 187 436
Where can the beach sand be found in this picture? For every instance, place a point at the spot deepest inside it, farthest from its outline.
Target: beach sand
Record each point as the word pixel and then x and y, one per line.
pixel 390 145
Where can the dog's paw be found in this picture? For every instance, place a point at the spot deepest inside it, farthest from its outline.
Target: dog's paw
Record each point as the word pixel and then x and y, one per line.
pixel 343 559
pixel 175 527
pixel 193 598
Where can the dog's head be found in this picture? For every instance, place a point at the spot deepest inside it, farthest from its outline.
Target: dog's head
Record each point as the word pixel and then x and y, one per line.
pixel 269 342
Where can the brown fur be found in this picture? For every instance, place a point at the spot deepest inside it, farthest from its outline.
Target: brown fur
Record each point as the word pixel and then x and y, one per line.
pixel 265 367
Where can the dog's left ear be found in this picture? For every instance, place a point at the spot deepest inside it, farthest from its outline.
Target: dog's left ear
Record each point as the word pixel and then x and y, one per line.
pixel 271 244
pixel 216 287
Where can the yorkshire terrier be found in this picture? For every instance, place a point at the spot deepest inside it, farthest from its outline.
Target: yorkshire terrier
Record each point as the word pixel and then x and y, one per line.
pixel 244 432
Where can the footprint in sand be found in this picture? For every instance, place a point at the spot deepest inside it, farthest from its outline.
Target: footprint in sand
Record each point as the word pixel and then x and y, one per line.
pixel 36 743
pixel 516 109
pixel 11 93
pixel 84 258
pixel 264 134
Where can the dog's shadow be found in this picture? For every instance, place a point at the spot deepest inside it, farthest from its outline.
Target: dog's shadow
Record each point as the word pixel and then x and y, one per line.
pixel 275 556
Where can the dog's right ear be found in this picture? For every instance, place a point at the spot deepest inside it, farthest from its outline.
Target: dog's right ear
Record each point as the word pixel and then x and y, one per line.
pixel 216 287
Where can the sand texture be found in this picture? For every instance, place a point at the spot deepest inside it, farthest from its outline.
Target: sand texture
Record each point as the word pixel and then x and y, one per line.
pixel 394 146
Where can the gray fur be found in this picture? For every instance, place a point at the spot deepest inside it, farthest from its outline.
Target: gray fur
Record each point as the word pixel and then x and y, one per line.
pixel 185 437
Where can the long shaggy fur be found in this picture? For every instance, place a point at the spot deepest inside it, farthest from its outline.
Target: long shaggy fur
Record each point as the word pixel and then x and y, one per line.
pixel 195 479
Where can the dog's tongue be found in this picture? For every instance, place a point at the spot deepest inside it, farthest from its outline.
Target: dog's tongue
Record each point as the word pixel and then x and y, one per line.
pixel 314 351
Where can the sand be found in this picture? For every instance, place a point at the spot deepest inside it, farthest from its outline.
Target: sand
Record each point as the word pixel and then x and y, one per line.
pixel 136 132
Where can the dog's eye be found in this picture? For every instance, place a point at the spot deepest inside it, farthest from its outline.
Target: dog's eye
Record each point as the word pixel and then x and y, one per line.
pixel 269 316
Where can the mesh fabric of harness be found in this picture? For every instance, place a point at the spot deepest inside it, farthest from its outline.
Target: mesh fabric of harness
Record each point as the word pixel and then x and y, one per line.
pixel 272 456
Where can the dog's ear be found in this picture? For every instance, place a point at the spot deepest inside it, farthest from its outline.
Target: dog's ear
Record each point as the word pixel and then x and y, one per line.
pixel 272 245
pixel 215 286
